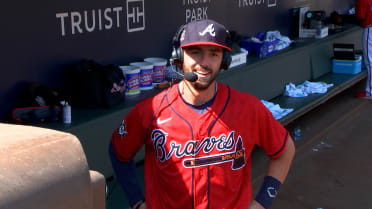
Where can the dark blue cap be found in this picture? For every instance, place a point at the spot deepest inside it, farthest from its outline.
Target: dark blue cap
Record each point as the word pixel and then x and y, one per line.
pixel 205 32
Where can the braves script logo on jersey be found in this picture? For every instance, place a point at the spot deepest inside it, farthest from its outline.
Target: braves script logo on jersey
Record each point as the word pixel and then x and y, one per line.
pixel 209 29
pixel 190 148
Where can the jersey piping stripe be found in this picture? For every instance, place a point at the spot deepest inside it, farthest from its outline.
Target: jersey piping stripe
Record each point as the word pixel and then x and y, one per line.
pixel 209 134
pixel 283 145
pixel 219 115
pixel 192 138
pixel 156 112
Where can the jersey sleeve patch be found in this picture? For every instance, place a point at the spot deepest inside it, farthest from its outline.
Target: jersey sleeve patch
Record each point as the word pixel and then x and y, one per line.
pixel 122 129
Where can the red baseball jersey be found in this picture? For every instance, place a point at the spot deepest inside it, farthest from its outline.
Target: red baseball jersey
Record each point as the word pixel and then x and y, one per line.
pixel 197 160
pixel 363 10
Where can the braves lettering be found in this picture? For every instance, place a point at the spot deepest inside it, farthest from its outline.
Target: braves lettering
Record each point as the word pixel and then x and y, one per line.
pixel 221 143
pixel 237 157
pixel 158 139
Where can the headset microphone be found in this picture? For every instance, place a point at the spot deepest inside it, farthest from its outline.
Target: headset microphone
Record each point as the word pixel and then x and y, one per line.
pixel 189 76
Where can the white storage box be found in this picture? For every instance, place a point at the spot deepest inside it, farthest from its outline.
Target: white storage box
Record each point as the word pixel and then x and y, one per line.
pixel 312 33
pixel 238 59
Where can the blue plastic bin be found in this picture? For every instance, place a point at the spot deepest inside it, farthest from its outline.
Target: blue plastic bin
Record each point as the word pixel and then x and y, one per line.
pixel 267 47
pixel 347 66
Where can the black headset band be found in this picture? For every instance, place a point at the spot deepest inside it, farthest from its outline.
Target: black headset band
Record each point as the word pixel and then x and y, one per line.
pixel 176 38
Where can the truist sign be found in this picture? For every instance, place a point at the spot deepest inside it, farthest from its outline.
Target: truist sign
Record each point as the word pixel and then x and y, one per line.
pixel 251 3
pixel 86 21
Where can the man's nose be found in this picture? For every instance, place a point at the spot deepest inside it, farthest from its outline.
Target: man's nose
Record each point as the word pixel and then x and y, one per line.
pixel 204 61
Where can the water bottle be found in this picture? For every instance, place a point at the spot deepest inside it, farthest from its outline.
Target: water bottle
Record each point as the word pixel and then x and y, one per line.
pixel 66 113
pixel 297 133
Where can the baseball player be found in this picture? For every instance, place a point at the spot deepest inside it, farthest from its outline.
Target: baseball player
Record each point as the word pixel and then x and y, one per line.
pixel 363 11
pixel 199 135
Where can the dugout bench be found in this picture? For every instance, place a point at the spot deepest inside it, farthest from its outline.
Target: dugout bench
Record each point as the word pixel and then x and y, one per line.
pixel 307 59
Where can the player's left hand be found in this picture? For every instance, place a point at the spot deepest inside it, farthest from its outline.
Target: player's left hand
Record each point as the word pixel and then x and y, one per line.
pixel 255 205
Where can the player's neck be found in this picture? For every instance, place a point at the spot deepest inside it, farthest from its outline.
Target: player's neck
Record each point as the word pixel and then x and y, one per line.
pixel 195 96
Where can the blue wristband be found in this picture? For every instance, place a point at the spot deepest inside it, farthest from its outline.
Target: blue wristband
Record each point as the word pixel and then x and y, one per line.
pixel 268 191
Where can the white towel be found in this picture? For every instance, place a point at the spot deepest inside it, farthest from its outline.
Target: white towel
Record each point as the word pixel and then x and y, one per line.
pixel 306 88
pixel 276 110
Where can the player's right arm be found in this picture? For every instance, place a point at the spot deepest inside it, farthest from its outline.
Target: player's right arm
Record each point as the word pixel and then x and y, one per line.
pixel 127 177
pixel 125 142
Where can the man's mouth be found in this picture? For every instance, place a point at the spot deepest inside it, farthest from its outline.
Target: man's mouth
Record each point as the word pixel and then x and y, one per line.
pixel 202 74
